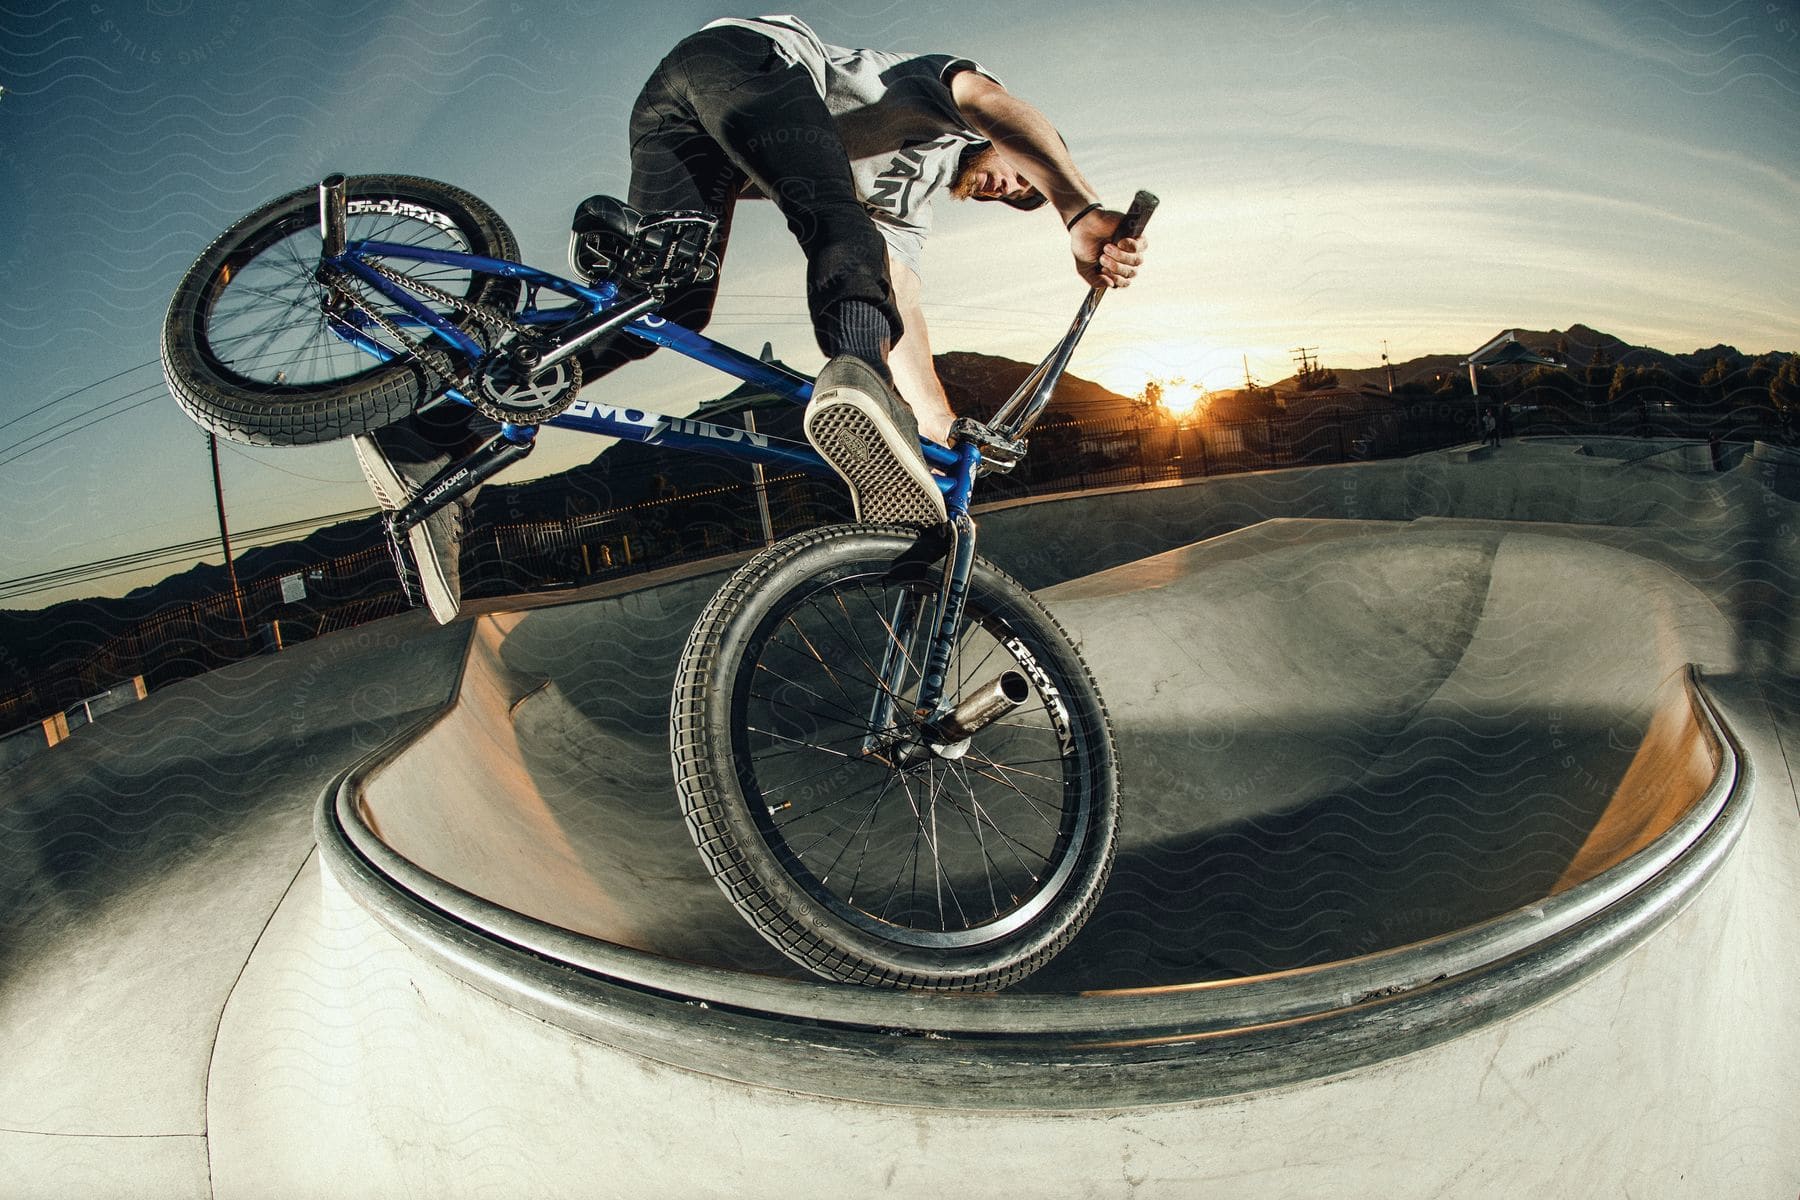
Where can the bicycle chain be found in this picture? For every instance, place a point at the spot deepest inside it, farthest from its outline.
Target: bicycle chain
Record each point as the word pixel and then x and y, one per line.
pixel 434 361
pixel 462 305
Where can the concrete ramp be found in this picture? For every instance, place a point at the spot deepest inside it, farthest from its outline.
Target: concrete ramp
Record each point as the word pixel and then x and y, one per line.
pixel 544 787
pixel 1342 737
pixel 1365 763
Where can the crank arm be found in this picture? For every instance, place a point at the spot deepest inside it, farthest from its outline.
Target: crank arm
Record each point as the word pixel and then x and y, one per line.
pixel 458 479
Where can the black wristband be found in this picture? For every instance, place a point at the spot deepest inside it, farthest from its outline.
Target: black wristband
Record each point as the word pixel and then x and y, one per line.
pixel 1074 220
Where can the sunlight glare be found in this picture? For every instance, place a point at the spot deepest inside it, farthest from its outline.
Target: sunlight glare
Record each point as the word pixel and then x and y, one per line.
pixel 1179 398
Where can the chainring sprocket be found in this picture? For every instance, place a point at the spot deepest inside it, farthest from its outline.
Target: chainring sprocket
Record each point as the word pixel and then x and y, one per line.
pixel 505 392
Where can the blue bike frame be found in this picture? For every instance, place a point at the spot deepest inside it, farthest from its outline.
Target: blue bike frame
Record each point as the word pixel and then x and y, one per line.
pixel 958 466
pixel 630 424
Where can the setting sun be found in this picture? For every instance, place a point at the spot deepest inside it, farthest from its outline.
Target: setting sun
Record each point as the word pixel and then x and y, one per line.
pixel 1177 397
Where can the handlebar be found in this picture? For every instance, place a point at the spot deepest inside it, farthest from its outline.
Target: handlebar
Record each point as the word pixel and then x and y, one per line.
pixel 1023 408
pixel 1136 217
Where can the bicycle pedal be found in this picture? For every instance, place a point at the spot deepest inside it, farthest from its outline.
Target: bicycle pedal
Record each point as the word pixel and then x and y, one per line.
pixel 410 589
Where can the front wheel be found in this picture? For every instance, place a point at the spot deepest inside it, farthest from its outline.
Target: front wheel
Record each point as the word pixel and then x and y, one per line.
pixel 858 844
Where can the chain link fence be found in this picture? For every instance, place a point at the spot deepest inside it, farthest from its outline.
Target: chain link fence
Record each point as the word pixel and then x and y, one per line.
pixel 278 611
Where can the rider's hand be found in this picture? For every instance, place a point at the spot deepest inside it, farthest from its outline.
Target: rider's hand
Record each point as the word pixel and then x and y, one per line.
pixel 1099 261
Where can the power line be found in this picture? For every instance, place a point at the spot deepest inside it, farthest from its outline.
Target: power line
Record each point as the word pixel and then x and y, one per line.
pixel 77 429
pixel 83 388
pixel 265 463
pixel 138 391
pixel 124 564
pixel 23 447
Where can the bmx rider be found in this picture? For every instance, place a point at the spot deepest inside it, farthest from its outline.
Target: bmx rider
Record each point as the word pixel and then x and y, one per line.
pixel 852 146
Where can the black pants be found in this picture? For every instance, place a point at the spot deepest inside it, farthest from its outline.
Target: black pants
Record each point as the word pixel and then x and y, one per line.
pixel 722 111
pixel 719 112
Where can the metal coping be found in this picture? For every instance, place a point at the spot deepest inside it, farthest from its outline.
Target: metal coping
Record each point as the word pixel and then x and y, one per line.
pixel 1081 1050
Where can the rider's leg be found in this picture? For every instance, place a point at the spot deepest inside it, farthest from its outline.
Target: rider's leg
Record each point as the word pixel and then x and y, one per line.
pixel 723 108
pixel 722 99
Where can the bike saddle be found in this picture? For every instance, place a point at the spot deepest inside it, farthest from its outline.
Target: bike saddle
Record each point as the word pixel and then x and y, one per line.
pixel 611 240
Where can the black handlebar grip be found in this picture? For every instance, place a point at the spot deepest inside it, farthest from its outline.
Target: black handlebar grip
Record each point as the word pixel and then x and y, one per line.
pixel 1136 217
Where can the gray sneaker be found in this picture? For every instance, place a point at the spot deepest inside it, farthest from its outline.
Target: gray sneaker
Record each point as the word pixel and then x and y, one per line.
pixel 870 437
pixel 397 461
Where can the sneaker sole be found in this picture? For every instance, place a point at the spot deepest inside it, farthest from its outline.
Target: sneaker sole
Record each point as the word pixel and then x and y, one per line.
pixel 441 597
pixel 388 487
pixel 842 425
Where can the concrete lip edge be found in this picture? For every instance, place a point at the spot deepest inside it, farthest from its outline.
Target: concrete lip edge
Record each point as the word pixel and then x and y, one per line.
pixel 1365 1009
pixel 1209 1007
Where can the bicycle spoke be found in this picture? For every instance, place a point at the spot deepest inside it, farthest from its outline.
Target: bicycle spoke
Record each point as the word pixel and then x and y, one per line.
pixel 268 316
pixel 798 742
pixel 914 840
pixel 998 766
pixel 981 843
pixel 817 657
pixel 892 640
pixel 1016 790
pixel 812 742
pixel 979 814
pixel 864 659
pixel 866 822
pixel 825 700
pixel 810 813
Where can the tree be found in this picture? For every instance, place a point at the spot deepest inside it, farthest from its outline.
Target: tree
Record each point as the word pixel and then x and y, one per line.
pixel 1620 390
pixel 1762 371
pixel 1784 395
pixel 1452 383
pixel 1147 405
pixel 1715 384
pixel 1313 377
pixel 1598 375
pixel 1247 404
pixel 1552 388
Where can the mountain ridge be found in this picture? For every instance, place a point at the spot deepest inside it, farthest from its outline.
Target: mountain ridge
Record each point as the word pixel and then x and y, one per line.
pixel 35 640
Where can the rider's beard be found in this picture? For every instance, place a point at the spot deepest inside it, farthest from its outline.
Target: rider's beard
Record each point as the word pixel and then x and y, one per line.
pixel 977 158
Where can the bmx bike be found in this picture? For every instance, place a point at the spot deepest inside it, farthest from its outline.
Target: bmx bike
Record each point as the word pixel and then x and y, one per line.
pixel 891 757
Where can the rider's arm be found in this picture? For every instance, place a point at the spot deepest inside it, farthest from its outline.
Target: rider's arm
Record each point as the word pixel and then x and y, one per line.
pixel 1026 137
pixel 910 359
pixel 1028 140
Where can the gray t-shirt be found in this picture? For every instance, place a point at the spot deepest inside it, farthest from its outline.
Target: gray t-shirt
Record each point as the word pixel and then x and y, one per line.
pixel 897 119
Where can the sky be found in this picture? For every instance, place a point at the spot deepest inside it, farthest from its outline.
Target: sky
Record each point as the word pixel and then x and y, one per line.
pixel 1341 175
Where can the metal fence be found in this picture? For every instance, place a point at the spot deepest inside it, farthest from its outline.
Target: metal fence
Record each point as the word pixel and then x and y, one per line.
pixel 507 559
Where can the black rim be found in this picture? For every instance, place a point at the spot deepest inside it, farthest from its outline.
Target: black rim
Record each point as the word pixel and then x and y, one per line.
pixel 940 853
pixel 263 323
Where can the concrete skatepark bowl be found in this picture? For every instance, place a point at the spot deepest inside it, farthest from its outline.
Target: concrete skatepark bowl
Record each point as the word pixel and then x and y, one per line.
pixel 1457 823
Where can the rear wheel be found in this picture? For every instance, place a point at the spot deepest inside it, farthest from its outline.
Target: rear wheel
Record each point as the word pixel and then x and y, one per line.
pixel 249 346
pixel 823 808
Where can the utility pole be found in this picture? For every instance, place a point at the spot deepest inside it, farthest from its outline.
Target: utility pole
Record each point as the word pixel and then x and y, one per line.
pixel 760 478
pixel 237 596
pixel 1387 367
pixel 1308 360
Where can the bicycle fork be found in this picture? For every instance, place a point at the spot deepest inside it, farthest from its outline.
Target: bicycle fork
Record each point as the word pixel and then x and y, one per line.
pixel 946 729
